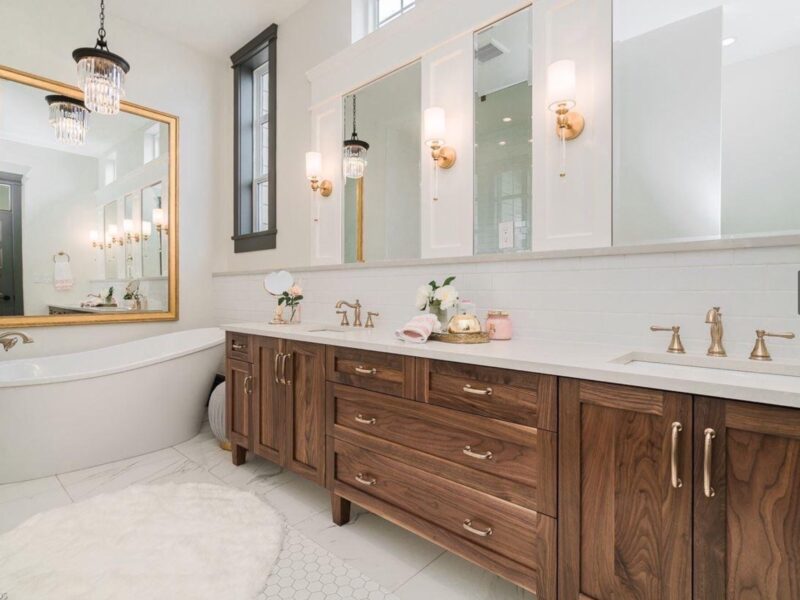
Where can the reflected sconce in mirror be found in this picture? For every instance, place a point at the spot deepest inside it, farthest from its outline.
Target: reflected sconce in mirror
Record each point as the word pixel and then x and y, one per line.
pixel 112 233
pixel 130 236
pixel 561 100
pixel 147 230
pixel 435 131
pixel 160 221
pixel 94 239
pixel 313 170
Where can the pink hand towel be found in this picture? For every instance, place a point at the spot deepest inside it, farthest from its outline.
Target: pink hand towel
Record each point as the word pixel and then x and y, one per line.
pixel 419 329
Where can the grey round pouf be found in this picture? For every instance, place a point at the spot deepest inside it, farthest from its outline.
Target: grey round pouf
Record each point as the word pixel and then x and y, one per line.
pixel 216 416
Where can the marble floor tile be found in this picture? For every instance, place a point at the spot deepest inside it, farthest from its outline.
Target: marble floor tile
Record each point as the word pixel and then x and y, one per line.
pixel 18 501
pixel 163 466
pixel 450 577
pixel 298 499
pixel 381 550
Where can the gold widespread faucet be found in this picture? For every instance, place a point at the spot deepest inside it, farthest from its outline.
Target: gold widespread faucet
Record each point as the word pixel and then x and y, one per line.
pixel 356 312
pixel 714 318
pixel 9 339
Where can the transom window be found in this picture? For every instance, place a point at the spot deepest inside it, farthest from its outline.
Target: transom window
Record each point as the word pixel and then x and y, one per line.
pixel 389 10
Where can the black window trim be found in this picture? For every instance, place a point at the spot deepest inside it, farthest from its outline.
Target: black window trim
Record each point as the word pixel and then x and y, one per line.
pixel 244 61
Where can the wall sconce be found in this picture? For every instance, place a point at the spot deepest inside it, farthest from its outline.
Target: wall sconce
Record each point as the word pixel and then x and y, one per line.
pixel 130 236
pixel 435 129
pixel 112 233
pixel 94 238
pixel 160 221
pixel 561 100
pixel 313 169
pixel 147 230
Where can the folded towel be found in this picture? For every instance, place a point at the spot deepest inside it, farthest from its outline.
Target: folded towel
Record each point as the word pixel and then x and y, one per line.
pixel 62 275
pixel 419 329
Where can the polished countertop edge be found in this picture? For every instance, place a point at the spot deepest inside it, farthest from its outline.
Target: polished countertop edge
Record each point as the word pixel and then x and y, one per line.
pixel 592 362
pixel 664 248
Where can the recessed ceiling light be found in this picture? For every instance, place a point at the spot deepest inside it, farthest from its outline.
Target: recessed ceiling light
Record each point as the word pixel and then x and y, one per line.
pixel 506 119
pixel 502 143
pixel 729 41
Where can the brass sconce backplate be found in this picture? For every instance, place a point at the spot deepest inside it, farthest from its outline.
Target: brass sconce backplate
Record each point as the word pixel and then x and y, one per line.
pixel 569 125
pixel 445 157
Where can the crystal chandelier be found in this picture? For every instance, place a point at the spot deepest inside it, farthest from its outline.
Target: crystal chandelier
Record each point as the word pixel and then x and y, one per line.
pixel 355 152
pixel 68 117
pixel 101 74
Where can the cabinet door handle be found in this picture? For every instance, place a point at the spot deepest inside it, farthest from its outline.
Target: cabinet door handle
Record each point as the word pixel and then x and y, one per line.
pixel 467 524
pixel 285 380
pixel 477 391
pixel 365 480
pixel 364 371
pixel 709 434
pixel 238 347
pixel 248 385
pixel 364 420
pixel 676 429
pixel 275 367
pixel 479 455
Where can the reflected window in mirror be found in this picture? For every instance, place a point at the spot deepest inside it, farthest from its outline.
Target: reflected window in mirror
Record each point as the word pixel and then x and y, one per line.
pixel 388 10
pixel 705 120
pixel 255 78
pixel 503 136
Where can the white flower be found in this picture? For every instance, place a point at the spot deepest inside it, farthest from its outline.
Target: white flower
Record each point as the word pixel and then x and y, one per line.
pixel 423 296
pixel 447 296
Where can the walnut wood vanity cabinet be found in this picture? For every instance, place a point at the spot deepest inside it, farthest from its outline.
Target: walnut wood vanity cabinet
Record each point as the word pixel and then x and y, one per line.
pixel 276 402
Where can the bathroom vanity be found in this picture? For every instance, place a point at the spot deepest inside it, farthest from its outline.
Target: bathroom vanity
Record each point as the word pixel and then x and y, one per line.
pixel 570 476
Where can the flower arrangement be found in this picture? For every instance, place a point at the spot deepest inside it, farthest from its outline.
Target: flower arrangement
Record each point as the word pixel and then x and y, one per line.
pixel 438 299
pixel 291 299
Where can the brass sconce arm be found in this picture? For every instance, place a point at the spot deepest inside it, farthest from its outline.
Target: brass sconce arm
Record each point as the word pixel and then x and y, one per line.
pixel 569 123
pixel 324 187
pixel 443 156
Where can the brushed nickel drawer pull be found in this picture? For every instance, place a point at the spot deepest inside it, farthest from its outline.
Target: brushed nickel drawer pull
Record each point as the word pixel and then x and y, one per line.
pixel 477 391
pixel 479 455
pixel 238 347
pixel 364 420
pixel 364 371
pixel 275 367
pixel 364 481
pixel 676 429
pixel 467 524
pixel 709 434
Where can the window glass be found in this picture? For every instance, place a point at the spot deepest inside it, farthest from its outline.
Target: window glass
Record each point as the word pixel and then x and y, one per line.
pixel 5 197
pixel 391 9
pixel 261 148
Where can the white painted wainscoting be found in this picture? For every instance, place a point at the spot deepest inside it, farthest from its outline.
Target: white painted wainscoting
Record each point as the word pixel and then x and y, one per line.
pixel 594 299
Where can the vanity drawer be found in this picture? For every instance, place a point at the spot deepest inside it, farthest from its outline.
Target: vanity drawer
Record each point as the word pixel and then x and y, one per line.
pixel 239 346
pixel 517 533
pixel 525 398
pixel 376 371
pixel 512 462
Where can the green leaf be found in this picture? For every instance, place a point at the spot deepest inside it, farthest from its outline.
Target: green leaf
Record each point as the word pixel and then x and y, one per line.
pixel 449 280
pixel 281 300
pixel 297 299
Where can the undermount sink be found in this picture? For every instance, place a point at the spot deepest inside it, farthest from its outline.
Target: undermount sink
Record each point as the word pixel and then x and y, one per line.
pixel 791 369
pixel 326 330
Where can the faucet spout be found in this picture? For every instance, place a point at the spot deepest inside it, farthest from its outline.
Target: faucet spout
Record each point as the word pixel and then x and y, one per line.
pixel 9 339
pixel 356 311
pixel 714 318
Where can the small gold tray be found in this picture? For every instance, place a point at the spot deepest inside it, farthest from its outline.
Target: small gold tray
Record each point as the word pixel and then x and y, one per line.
pixel 461 338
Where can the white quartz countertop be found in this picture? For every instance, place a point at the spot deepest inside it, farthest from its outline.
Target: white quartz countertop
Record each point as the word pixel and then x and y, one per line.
pixel 582 361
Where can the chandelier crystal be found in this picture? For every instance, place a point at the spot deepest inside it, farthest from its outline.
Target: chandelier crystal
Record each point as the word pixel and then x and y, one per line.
pixel 101 74
pixel 68 118
pixel 354 161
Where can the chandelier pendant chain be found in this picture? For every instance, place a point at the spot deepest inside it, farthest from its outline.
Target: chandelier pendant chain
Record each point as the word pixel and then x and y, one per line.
pixel 101 33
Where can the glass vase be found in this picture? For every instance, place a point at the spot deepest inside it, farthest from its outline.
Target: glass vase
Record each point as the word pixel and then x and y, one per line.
pixel 442 314
pixel 294 314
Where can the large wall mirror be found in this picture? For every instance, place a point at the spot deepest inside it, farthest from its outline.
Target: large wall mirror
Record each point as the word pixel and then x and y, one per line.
pixel 87 222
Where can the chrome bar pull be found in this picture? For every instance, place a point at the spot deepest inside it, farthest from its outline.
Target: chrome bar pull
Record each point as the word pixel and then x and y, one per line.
pixel 359 418
pixel 676 429
pixel 467 524
pixel 477 391
pixel 468 451
pixel 709 434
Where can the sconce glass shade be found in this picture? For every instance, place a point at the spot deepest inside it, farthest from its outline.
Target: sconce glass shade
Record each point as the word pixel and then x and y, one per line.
pixel 354 160
pixel 147 228
pixel 561 84
pixel 158 217
pixel 435 121
pixel 127 225
pixel 101 76
pixel 94 236
pixel 313 165
pixel 68 118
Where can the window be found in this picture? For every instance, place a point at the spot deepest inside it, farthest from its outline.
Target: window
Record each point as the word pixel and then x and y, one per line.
pixel 389 10
pixel 152 143
pixel 254 143
pixel 110 169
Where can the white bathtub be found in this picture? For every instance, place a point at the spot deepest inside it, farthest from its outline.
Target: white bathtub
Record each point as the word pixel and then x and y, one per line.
pixel 72 411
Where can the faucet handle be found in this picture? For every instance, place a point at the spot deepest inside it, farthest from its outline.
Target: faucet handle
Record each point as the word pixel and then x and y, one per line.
pixel 370 322
pixel 345 321
pixel 675 344
pixel 760 351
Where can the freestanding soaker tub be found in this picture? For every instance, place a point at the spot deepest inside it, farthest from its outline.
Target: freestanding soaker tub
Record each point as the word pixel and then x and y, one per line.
pixel 72 411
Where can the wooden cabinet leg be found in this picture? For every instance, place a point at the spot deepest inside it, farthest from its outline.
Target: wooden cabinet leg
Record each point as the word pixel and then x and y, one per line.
pixel 340 509
pixel 238 455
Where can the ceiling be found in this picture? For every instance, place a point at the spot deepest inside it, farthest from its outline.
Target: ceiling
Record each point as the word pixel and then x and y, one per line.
pixel 213 27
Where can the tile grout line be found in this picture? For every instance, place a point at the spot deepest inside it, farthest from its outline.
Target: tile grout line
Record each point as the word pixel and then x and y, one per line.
pixel 433 560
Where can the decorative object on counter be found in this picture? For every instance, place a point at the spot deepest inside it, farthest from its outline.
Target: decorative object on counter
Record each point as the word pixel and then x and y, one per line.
pixel 760 351
pixel 499 325
pixel 419 329
pixel 133 298
pixel 291 299
pixel 464 322
pixel 216 416
pixel 62 272
pixel 279 284
pixel 438 299
pixel 463 328
pixel 675 344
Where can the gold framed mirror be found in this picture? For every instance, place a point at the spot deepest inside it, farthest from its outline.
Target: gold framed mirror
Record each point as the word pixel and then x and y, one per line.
pixel 89 226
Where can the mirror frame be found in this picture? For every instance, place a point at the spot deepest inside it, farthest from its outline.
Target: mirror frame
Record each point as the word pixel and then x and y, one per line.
pixel 171 314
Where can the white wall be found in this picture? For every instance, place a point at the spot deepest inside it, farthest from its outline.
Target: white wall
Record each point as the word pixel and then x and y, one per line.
pixel 166 76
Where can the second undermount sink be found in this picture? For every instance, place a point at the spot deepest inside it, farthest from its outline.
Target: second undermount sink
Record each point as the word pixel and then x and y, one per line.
pixel 323 329
pixel 791 369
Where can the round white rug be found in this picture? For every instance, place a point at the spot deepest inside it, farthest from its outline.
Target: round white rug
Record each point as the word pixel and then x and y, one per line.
pixel 181 541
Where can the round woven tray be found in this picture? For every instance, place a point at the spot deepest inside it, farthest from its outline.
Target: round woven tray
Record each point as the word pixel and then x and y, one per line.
pixel 461 338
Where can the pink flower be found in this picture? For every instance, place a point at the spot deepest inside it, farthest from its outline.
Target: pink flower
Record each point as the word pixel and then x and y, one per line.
pixel 295 290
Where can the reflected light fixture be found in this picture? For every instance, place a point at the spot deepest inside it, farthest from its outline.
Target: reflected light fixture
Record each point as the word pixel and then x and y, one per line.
pixel 313 170
pixel 68 118
pixel 160 220
pixel 112 233
pixel 354 161
pixel 561 100
pixel 94 238
pixel 101 74
pixel 130 236
pixel 147 230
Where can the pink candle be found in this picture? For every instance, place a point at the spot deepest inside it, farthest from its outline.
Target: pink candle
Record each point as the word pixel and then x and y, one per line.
pixel 498 325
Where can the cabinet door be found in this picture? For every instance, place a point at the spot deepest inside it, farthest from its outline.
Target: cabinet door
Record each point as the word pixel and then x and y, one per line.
pixel 747 501
pixel 269 402
pixel 238 392
pixel 305 403
pixel 625 493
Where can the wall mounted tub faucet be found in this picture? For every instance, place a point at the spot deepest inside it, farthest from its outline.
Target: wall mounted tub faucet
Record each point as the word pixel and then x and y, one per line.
pixel 9 339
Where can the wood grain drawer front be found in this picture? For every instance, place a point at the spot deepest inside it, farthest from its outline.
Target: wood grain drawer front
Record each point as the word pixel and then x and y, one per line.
pixel 520 534
pixel 516 396
pixel 239 346
pixel 376 371
pixel 503 450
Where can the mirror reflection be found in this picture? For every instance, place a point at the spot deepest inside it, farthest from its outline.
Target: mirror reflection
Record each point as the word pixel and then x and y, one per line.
pixel 705 120
pixel 83 228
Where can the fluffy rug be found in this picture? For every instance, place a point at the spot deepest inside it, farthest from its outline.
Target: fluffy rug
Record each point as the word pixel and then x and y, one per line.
pixel 158 542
